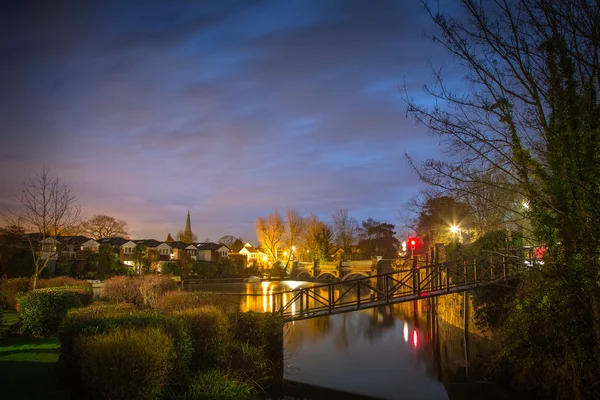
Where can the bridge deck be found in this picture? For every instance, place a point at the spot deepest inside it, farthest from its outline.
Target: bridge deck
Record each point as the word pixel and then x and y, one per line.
pixel 390 288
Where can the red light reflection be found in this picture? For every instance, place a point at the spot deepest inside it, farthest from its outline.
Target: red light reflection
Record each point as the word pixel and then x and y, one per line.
pixel 415 338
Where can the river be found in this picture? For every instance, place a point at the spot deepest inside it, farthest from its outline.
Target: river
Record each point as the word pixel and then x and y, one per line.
pixel 401 351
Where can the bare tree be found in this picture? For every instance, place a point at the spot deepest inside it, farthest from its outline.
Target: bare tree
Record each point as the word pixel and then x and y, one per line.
pixel 104 226
pixel 229 240
pixel 269 232
pixel 530 117
pixel 294 229
pixel 345 229
pixel 48 210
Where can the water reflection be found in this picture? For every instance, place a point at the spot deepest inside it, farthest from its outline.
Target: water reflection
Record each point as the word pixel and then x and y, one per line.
pixel 398 351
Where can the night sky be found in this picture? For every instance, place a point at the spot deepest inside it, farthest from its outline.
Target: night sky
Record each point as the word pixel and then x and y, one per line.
pixel 227 108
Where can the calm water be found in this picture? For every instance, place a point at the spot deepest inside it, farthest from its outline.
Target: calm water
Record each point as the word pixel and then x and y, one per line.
pixel 395 352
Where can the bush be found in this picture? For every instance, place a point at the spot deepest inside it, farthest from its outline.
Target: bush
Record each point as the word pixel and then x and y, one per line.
pixel 105 318
pixel 257 329
pixel 143 291
pixel 63 281
pixel 152 287
pixel 179 301
pixel 216 384
pixel 208 328
pixel 244 360
pixel 172 268
pixel 121 289
pixel 126 363
pixel 10 289
pixel 42 310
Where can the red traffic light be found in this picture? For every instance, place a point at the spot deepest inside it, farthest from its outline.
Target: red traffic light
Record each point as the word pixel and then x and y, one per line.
pixel 413 243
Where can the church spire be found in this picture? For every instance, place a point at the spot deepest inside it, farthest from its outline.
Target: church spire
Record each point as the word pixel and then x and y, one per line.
pixel 188 229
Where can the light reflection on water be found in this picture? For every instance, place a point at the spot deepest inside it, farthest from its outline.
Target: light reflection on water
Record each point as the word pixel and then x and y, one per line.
pixel 397 351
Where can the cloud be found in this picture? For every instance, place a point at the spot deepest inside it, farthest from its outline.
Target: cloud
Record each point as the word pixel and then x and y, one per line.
pixel 229 109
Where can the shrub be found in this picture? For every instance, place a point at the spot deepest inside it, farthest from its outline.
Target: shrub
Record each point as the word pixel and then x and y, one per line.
pixel 143 291
pixel 172 268
pixel 152 287
pixel 208 328
pixel 63 281
pixel 121 289
pixel 105 318
pixel 216 384
pixel 42 310
pixel 246 361
pixel 126 363
pixel 10 289
pixel 178 301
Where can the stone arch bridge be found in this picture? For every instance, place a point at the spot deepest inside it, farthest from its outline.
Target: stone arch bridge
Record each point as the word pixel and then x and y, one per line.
pixel 339 271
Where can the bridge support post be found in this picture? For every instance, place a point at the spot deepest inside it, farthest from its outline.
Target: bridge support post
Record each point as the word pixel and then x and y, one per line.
pixel 316 268
pixel 416 277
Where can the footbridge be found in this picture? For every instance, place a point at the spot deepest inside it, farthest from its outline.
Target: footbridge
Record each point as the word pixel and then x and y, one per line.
pixel 357 292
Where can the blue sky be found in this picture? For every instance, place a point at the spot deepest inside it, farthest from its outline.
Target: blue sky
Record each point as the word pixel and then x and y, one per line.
pixel 227 108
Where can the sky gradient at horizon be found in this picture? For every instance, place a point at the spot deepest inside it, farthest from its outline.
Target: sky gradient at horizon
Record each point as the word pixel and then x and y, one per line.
pixel 229 109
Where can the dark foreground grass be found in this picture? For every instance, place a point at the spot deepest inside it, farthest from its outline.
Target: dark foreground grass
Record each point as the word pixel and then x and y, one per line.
pixel 28 366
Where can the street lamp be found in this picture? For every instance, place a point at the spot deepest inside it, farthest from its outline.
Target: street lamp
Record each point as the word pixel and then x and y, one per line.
pixel 454 229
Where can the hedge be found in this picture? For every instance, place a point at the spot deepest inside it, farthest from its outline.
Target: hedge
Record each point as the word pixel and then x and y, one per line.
pixel 42 310
pixel 208 328
pixel 12 288
pixel 126 363
pixel 182 300
pixel 81 323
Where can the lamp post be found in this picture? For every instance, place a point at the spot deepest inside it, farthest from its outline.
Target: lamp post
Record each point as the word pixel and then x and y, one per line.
pixel 456 230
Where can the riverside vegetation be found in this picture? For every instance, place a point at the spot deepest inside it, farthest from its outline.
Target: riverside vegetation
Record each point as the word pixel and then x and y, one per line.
pixel 145 339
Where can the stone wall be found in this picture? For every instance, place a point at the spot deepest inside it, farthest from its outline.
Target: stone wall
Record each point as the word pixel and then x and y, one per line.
pixel 450 308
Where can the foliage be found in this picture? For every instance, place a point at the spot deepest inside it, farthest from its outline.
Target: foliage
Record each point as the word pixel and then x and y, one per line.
pixel 208 328
pixel 121 289
pixel 318 237
pixel 204 269
pixel 65 281
pixel 126 363
pixel 103 263
pixel 216 384
pixel 104 226
pixel 15 259
pixel 152 287
pixel 10 289
pixel 436 217
pixel 378 238
pixel 104 318
pixel 181 300
pixel 142 291
pixel 259 330
pixel 42 310
pixel 172 268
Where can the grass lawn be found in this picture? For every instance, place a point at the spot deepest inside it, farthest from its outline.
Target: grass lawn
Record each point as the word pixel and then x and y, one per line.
pixel 28 366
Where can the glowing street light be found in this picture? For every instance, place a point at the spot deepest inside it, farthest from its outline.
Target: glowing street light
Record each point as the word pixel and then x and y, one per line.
pixel 454 229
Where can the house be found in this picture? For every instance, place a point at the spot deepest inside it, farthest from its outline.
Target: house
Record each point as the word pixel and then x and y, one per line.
pixel 253 254
pixel 183 251
pixel 77 246
pixel 159 251
pixel 210 251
